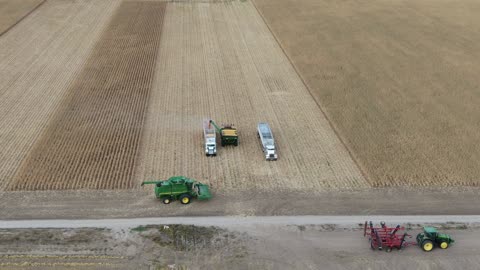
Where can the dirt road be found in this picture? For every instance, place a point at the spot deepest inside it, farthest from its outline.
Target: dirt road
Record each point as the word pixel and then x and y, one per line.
pixel 339 222
pixel 233 243
pixel 142 203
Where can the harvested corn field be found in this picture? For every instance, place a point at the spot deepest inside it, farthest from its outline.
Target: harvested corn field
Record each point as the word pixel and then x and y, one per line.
pixel 13 11
pixel 133 109
pixel 92 140
pixel 39 59
pixel 220 61
pixel 398 79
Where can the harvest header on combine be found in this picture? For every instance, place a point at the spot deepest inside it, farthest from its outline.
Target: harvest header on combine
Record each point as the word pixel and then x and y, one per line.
pixel 179 188
pixel 384 237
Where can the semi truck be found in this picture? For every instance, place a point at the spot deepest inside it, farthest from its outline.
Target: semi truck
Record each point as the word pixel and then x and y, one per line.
pixel 210 139
pixel 267 141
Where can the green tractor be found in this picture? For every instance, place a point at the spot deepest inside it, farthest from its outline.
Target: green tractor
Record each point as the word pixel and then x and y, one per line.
pixel 228 134
pixel 180 188
pixel 430 237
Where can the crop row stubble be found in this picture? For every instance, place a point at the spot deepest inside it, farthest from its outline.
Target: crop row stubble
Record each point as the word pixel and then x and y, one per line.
pixel 13 11
pixel 398 79
pixel 221 61
pixel 38 60
pixel 92 140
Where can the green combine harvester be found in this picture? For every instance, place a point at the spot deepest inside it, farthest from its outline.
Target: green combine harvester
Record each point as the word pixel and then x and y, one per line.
pixel 179 188
pixel 431 238
pixel 228 134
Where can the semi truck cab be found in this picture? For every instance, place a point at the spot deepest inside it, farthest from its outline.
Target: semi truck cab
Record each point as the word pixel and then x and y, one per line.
pixel 270 152
pixel 211 149
pixel 210 139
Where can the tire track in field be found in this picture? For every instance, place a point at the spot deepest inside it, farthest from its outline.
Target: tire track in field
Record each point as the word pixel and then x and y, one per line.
pixel 92 141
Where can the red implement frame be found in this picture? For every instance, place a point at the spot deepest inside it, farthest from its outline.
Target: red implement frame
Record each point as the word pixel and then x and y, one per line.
pixel 384 237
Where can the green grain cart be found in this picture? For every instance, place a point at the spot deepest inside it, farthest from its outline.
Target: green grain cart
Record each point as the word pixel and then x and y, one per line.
pixel 180 188
pixel 228 134
pixel 431 238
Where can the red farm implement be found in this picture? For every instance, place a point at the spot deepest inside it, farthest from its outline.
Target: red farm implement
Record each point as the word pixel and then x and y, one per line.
pixel 386 238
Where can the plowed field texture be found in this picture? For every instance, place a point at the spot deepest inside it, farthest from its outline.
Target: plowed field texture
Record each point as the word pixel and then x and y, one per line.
pixel 107 94
pixel 13 11
pixel 399 80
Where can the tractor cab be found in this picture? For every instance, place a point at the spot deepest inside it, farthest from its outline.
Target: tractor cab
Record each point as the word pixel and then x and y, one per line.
pixel 430 232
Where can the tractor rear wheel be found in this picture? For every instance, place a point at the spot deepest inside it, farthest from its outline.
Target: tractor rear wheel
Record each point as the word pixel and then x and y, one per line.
pixel 185 199
pixel 167 200
pixel 443 245
pixel 427 245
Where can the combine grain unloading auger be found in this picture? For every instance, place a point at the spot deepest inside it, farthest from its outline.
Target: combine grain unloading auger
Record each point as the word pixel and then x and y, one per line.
pixel 385 237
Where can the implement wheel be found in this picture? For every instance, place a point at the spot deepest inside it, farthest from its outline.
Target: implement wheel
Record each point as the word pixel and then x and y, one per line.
pixel 427 245
pixel 167 200
pixel 372 246
pixel 185 199
pixel 443 245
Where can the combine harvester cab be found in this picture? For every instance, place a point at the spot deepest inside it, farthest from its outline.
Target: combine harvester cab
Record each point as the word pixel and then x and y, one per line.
pixel 180 188
pixel 210 139
pixel 268 143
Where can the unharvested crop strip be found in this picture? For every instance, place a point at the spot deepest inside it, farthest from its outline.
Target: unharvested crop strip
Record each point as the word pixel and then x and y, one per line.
pixel 93 139
pixel 405 103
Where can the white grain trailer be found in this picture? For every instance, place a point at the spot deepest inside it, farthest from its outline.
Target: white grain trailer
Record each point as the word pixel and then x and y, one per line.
pixel 209 134
pixel 268 143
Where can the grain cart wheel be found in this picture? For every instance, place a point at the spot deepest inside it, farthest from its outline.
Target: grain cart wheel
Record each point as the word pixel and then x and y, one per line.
pixel 167 200
pixel 185 199
pixel 427 245
pixel 443 245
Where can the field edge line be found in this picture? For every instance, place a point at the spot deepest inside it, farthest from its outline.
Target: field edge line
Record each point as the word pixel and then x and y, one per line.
pixel 366 176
